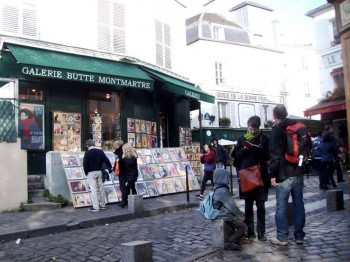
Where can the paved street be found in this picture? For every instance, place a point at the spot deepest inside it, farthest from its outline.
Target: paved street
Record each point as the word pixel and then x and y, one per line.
pixel 184 235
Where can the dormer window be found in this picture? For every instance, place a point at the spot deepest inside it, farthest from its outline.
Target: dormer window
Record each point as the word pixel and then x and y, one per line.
pixel 218 33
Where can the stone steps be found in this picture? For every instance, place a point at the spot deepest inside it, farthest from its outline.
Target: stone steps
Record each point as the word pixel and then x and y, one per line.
pixel 36 189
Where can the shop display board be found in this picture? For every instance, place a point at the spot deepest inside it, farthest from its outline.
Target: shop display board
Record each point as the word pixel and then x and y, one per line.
pixel 78 184
pixel 142 133
pixel 97 130
pixel 66 131
pixel 194 157
pixel 163 171
pixel 185 136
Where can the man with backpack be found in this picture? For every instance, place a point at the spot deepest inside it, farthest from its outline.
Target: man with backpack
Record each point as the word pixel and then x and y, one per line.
pixel 286 172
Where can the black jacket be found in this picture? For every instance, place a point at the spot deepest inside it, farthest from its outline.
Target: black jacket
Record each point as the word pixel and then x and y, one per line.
pixel 279 167
pixel 128 168
pixel 244 158
pixel 93 159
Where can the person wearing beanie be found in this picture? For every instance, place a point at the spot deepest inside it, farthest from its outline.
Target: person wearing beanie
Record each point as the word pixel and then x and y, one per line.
pixel 228 210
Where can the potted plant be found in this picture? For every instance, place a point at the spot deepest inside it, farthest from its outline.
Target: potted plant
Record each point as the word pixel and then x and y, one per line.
pixel 224 121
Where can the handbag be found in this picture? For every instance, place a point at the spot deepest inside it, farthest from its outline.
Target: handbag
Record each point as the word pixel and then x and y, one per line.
pixel 250 178
pixel 209 167
pixel 116 168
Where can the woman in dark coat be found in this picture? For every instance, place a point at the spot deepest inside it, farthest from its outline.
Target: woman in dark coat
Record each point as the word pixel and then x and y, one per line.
pixel 128 173
pixel 253 149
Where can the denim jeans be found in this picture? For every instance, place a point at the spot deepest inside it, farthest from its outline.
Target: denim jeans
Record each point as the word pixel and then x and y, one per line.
pixel 293 185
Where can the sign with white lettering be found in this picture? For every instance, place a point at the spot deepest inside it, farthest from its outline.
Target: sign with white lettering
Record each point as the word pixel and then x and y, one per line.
pixel 332 59
pixel 86 77
pixel 231 96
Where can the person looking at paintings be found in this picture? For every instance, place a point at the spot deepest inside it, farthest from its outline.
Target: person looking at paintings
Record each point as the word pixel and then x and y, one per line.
pixel 208 159
pixel 253 149
pixel 128 173
pixel 92 163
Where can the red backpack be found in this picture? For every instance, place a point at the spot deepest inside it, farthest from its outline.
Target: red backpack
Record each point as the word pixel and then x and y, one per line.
pixel 298 144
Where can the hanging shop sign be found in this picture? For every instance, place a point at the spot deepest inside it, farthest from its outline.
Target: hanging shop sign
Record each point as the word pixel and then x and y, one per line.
pixel 84 77
pixel 244 97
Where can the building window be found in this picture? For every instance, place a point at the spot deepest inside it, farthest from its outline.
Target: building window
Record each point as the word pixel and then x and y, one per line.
pixel 222 110
pixel 219 76
pixel 111 26
pixel 19 18
pixel 334 33
pixel 163 44
pixel 218 33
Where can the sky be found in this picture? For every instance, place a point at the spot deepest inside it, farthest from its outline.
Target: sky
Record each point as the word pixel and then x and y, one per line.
pixel 291 14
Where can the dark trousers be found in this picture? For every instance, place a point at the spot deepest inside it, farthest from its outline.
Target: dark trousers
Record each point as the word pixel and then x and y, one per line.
pixel 125 188
pixel 204 183
pixel 239 229
pixel 327 174
pixel 249 216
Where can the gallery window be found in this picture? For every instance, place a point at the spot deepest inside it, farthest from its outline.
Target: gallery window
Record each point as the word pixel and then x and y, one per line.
pixel 107 105
pixel 31 94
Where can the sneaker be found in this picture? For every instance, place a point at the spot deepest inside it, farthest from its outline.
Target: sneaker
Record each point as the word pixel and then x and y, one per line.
pixel 232 246
pixel 299 241
pixel 93 209
pixel 276 241
pixel 199 196
pixel 245 240
pixel 262 237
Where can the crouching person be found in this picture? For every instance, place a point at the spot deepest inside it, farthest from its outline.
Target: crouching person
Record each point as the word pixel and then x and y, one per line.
pixel 228 210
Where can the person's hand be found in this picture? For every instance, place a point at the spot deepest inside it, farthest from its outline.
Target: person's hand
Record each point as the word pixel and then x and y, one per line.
pixel 273 182
pixel 247 145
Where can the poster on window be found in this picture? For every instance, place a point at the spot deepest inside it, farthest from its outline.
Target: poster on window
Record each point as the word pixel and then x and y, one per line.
pixel 66 132
pixel 31 126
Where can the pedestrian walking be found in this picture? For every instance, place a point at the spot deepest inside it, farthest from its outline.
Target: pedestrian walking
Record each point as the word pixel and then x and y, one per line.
pixel 92 164
pixel 208 159
pixel 316 155
pixel 228 210
pixel 128 173
pixel 253 149
pixel 329 153
pixel 286 178
pixel 221 154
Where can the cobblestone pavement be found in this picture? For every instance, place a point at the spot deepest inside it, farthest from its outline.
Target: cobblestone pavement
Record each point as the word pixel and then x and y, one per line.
pixel 185 236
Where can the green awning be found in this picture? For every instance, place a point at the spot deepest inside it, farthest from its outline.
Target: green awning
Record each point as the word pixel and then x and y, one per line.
pixel 64 66
pixel 180 87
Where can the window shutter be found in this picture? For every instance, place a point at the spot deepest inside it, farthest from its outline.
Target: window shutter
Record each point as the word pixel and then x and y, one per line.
pixel 159 54
pixel 166 34
pixel 159 31
pixel 167 53
pixel 29 22
pixel 103 18
pixel 10 19
pixel 119 28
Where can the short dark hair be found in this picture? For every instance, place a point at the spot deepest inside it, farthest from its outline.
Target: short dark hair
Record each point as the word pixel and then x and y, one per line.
pixel 254 121
pixel 214 139
pixel 90 142
pixel 328 127
pixel 280 112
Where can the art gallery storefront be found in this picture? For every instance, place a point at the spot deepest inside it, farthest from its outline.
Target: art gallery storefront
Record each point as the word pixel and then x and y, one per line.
pixel 65 98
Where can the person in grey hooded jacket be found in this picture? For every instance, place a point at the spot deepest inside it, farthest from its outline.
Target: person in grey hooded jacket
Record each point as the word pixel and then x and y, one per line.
pixel 229 211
